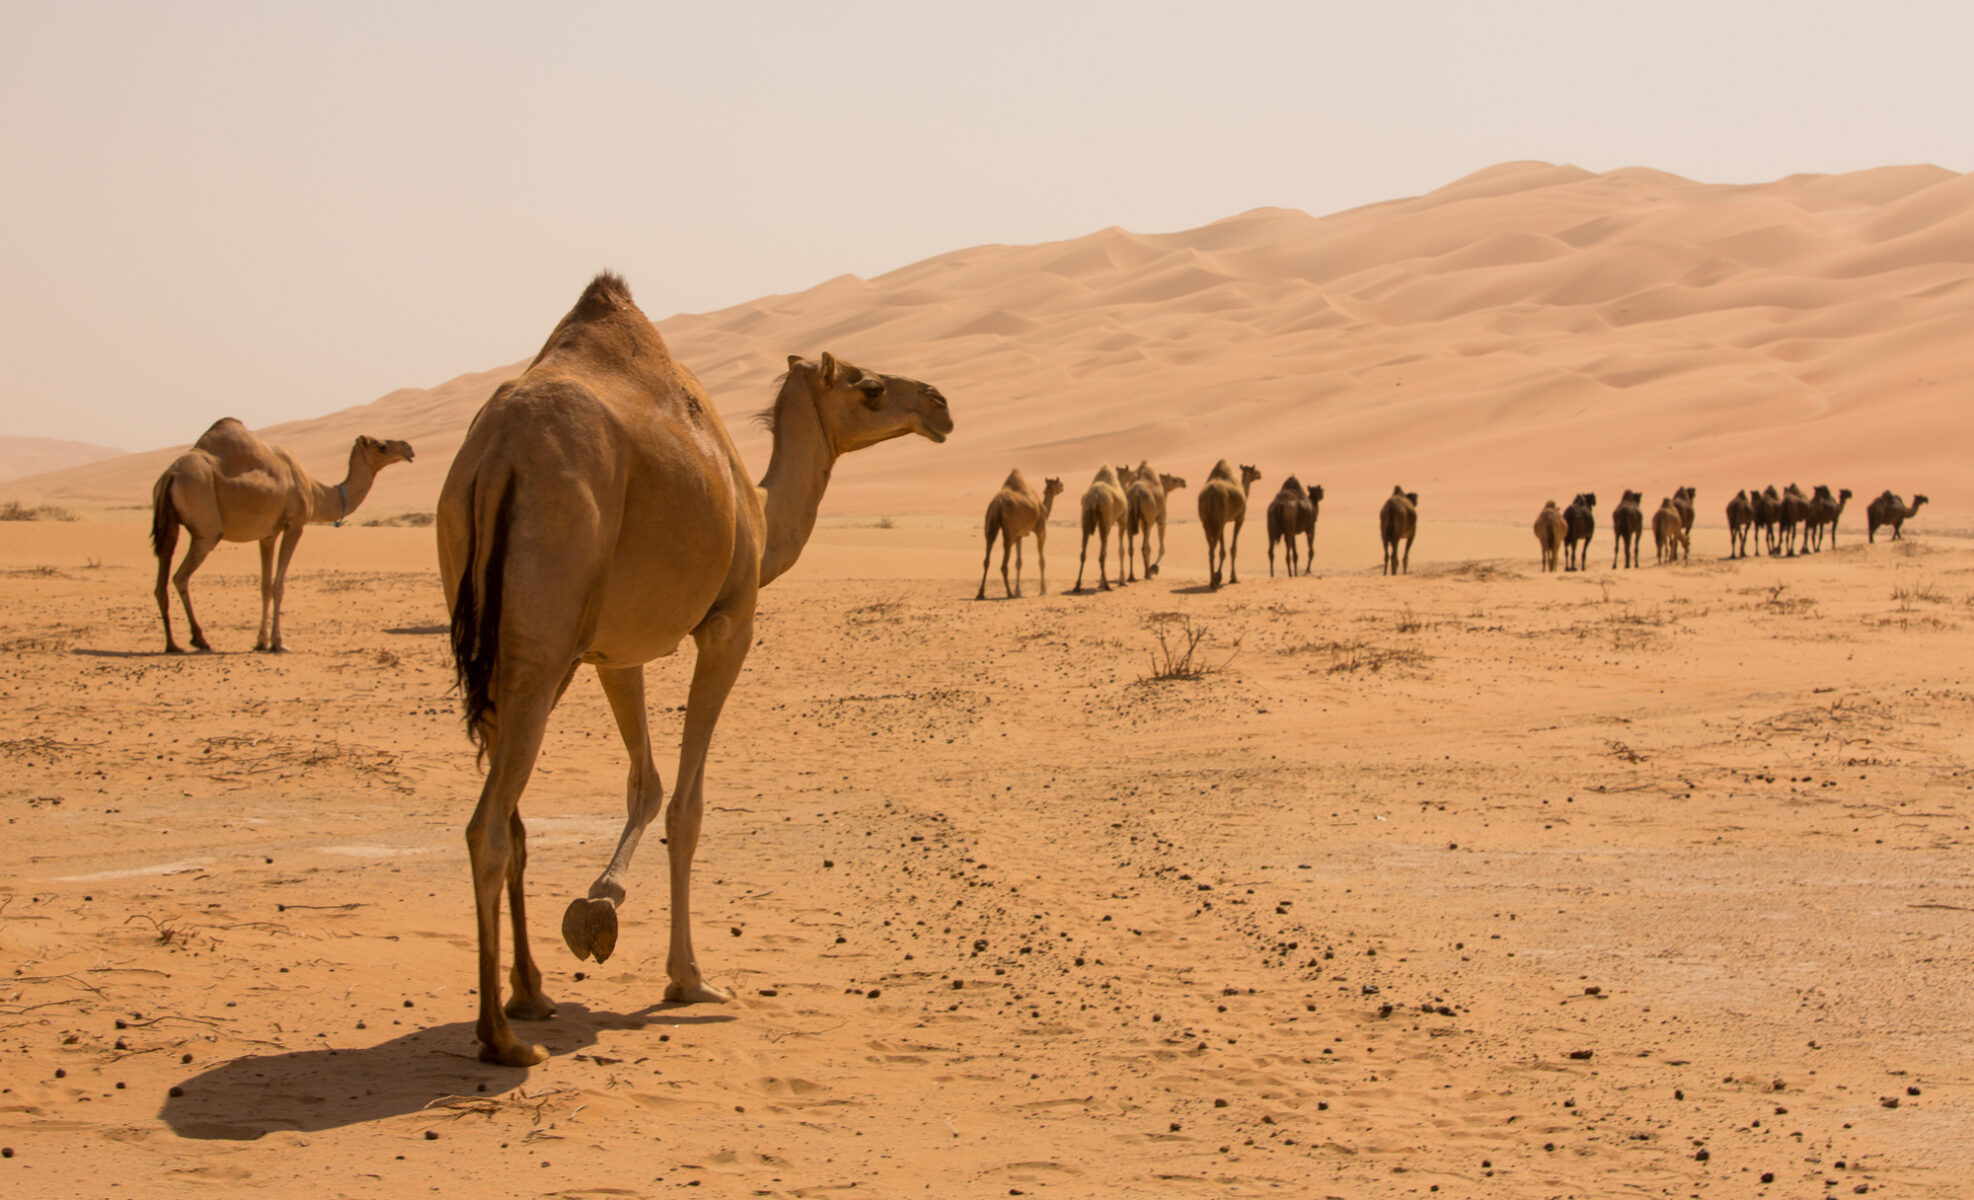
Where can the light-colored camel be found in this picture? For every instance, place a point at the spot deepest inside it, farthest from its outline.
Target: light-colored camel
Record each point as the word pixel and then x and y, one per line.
pixel 233 487
pixel 1014 513
pixel 1167 484
pixel 1289 513
pixel 1740 520
pixel 1767 506
pixel 1580 524
pixel 1888 509
pixel 1550 530
pixel 1398 520
pixel 1628 524
pixel 1793 518
pixel 598 513
pixel 1682 500
pixel 1669 532
pixel 1825 511
pixel 1144 507
pixel 1223 498
pixel 1103 510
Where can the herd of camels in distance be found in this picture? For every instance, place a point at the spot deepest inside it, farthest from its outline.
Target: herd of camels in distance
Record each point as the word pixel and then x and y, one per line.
pixel 597 513
pixel 1128 504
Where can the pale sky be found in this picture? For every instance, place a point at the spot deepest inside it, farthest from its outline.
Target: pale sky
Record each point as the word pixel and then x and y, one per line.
pixel 272 211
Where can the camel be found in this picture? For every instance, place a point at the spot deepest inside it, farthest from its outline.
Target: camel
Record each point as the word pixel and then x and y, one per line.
pixel 1167 484
pixel 598 513
pixel 231 486
pixel 1398 519
pixel 1826 510
pixel 1669 532
pixel 1740 519
pixel 1221 501
pixel 1580 522
pixel 1888 509
pixel 1309 529
pixel 1144 507
pixel 1014 513
pixel 1766 509
pixel 1628 525
pixel 1682 501
pixel 1289 513
pixel 1103 509
pixel 1792 516
pixel 1550 530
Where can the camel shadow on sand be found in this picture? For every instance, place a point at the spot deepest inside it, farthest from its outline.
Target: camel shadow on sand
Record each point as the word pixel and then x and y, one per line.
pixel 310 1090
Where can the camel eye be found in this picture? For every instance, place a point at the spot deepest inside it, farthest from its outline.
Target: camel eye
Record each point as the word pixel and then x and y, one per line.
pixel 872 388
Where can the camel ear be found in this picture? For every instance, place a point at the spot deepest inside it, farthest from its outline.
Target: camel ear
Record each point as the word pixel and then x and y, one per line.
pixel 826 367
pixel 794 360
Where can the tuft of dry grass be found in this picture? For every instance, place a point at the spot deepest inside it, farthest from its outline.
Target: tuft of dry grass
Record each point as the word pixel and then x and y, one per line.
pixel 14 510
pixel 1910 590
pixel 404 520
pixel 1181 650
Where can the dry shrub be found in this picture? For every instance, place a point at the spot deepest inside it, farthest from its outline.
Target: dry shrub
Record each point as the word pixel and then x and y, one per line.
pixel 1181 650
pixel 404 520
pixel 14 510
pixel 1911 590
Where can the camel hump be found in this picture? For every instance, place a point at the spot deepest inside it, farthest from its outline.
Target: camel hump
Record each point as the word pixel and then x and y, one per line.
pixel 234 447
pixel 1015 481
pixel 605 295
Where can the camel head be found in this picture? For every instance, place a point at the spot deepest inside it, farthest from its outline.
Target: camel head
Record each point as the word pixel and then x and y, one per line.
pixel 860 408
pixel 1316 493
pixel 1249 475
pixel 1051 488
pixel 1171 482
pixel 1412 498
pixel 1125 474
pixel 1843 494
pixel 378 453
pixel 1586 499
pixel 1917 500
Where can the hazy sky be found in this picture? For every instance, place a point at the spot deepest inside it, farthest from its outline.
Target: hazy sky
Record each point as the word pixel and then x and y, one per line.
pixel 272 210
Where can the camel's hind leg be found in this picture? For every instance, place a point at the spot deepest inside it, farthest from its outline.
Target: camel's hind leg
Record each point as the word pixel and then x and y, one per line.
pixel 1084 557
pixel 589 926
pixel 497 861
pixel 1214 556
pixel 723 643
pixel 986 565
pixel 1017 568
pixel 195 554
pixel 164 603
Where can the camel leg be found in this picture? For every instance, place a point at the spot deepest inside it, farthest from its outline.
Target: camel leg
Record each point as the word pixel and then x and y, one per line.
pixel 527 1003
pixel 1271 556
pixel 1103 560
pixel 1017 566
pixel 195 554
pixel 1082 559
pixel 1041 560
pixel 1234 552
pixel 723 643
pixel 1406 566
pixel 490 845
pixel 1123 553
pixel 1213 558
pixel 164 603
pixel 1144 550
pixel 288 541
pixel 1007 544
pixel 986 564
pixel 266 588
pixel 590 924
pixel 1157 566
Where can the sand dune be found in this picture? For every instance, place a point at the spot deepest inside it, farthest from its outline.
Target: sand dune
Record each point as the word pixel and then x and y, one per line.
pixel 20 456
pixel 1531 329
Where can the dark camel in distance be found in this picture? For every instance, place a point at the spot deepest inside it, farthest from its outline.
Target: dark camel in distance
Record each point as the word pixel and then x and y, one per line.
pixel 1888 509
pixel 598 513
pixel 1628 526
pixel 1221 500
pixel 1580 522
pixel 1550 529
pixel 1398 520
pixel 1825 511
pixel 1793 517
pixel 1767 506
pixel 1289 513
pixel 1014 513
pixel 231 486
pixel 1740 519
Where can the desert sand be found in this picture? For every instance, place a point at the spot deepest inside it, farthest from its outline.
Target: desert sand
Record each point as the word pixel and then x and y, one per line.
pixel 1569 330
pixel 1615 883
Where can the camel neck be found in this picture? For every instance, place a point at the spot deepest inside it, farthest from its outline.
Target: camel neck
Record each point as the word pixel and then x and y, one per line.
pixel 798 474
pixel 331 502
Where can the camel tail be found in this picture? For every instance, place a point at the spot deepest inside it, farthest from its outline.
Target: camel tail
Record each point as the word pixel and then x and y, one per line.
pixel 476 615
pixel 164 519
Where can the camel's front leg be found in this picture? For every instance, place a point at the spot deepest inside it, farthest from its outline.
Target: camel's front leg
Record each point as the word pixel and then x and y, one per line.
pixel 1041 559
pixel 195 554
pixel 1234 552
pixel 723 643
pixel 590 924
pixel 288 541
pixel 266 588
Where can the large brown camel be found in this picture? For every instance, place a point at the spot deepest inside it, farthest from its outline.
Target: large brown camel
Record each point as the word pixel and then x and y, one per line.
pixel 1669 532
pixel 1740 519
pixel 1793 517
pixel 1399 518
pixel 1550 530
pixel 1628 525
pixel 1888 509
pixel 1767 506
pixel 598 513
pixel 1580 525
pixel 1014 513
pixel 1103 510
pixel 1289 513
pixel 1144 507
pixel 233 487
pixel 1825 511
pixel 1222 500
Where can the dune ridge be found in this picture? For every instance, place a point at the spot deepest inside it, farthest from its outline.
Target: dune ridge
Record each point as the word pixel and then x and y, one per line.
pixel 1529 329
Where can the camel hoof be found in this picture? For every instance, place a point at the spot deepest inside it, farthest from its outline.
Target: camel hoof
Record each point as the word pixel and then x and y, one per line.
pixel 515 1055
pixel 200 644
pixel 530 1008
pixel 174 648
pixel 699 993
pixel 589 927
